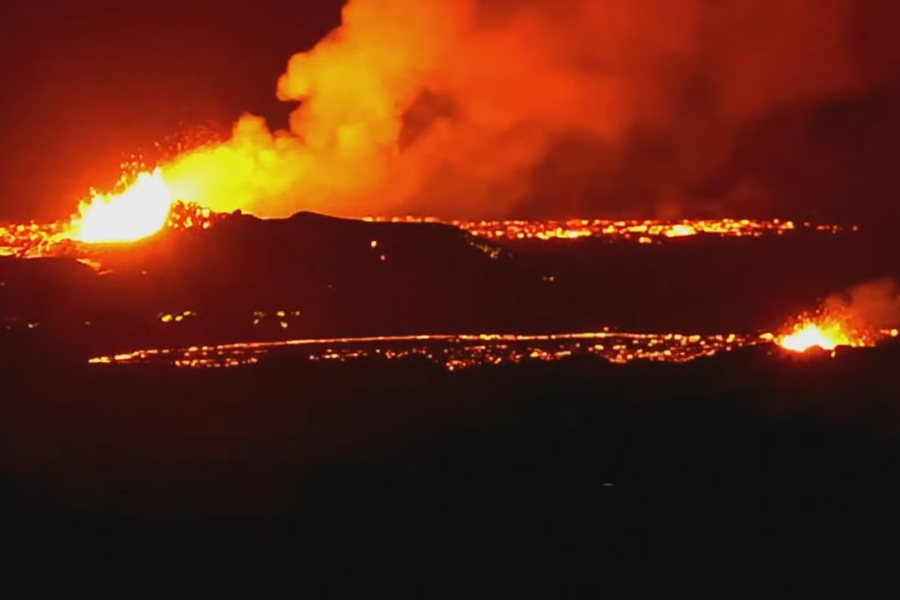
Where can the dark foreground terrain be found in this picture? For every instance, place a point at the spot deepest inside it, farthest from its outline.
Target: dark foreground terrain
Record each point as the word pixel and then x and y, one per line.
pixel 750 472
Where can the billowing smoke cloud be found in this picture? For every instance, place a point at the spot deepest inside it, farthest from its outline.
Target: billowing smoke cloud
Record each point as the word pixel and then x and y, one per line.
pixel 874 305
pixel 492 108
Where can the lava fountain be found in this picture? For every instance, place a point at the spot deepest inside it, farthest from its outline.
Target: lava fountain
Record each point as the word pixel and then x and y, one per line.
pixel 138 212
pixel 826 336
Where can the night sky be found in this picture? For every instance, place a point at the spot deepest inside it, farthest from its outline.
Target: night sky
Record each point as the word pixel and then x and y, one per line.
pixel 88 82
pixel 86 85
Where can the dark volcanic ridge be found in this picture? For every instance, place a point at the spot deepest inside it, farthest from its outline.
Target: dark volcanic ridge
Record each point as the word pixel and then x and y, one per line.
pixel 314 276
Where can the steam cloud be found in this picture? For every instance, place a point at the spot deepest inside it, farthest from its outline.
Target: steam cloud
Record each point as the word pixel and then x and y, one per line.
pixel 538 107
pixel 870 306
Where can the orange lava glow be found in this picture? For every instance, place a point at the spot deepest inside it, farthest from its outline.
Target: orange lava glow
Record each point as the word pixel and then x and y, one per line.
pixel 453 351
pixel 826 336
pixel 642 231
pixel 827 333
pixel 464 351
pixel 138 212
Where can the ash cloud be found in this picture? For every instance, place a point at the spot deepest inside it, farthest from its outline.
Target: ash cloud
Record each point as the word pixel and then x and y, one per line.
pixel 466 108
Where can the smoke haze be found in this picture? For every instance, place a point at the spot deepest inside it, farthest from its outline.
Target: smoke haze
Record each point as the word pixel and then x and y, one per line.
pixel 869 306
pixel 465 108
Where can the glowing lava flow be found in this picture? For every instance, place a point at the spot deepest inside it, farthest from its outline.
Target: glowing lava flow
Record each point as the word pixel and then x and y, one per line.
pixel 644 232
pixel 138 212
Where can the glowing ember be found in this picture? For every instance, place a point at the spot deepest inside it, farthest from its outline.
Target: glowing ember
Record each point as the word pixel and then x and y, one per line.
pixel 138 212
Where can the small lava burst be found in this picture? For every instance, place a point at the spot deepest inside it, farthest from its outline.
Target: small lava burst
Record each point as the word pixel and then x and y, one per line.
pixel 827 336
pixel 138 212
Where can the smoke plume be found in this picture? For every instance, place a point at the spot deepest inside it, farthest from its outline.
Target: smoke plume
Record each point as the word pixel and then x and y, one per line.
pixel 871 306
pixel 493 108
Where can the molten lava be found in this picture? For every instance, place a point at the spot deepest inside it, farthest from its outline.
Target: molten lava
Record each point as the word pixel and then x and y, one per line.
pixel 138 212
pixel 826 337
pixel 643 231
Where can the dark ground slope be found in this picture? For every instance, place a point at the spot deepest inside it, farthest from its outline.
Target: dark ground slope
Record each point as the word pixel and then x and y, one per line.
pixel 751 472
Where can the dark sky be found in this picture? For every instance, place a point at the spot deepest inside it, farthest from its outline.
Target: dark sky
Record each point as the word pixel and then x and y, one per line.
pixel 87 82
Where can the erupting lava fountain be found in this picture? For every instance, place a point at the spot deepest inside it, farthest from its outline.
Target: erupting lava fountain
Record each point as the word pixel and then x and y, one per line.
pixel 827 337
pixel 138 212
pixel 828 334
